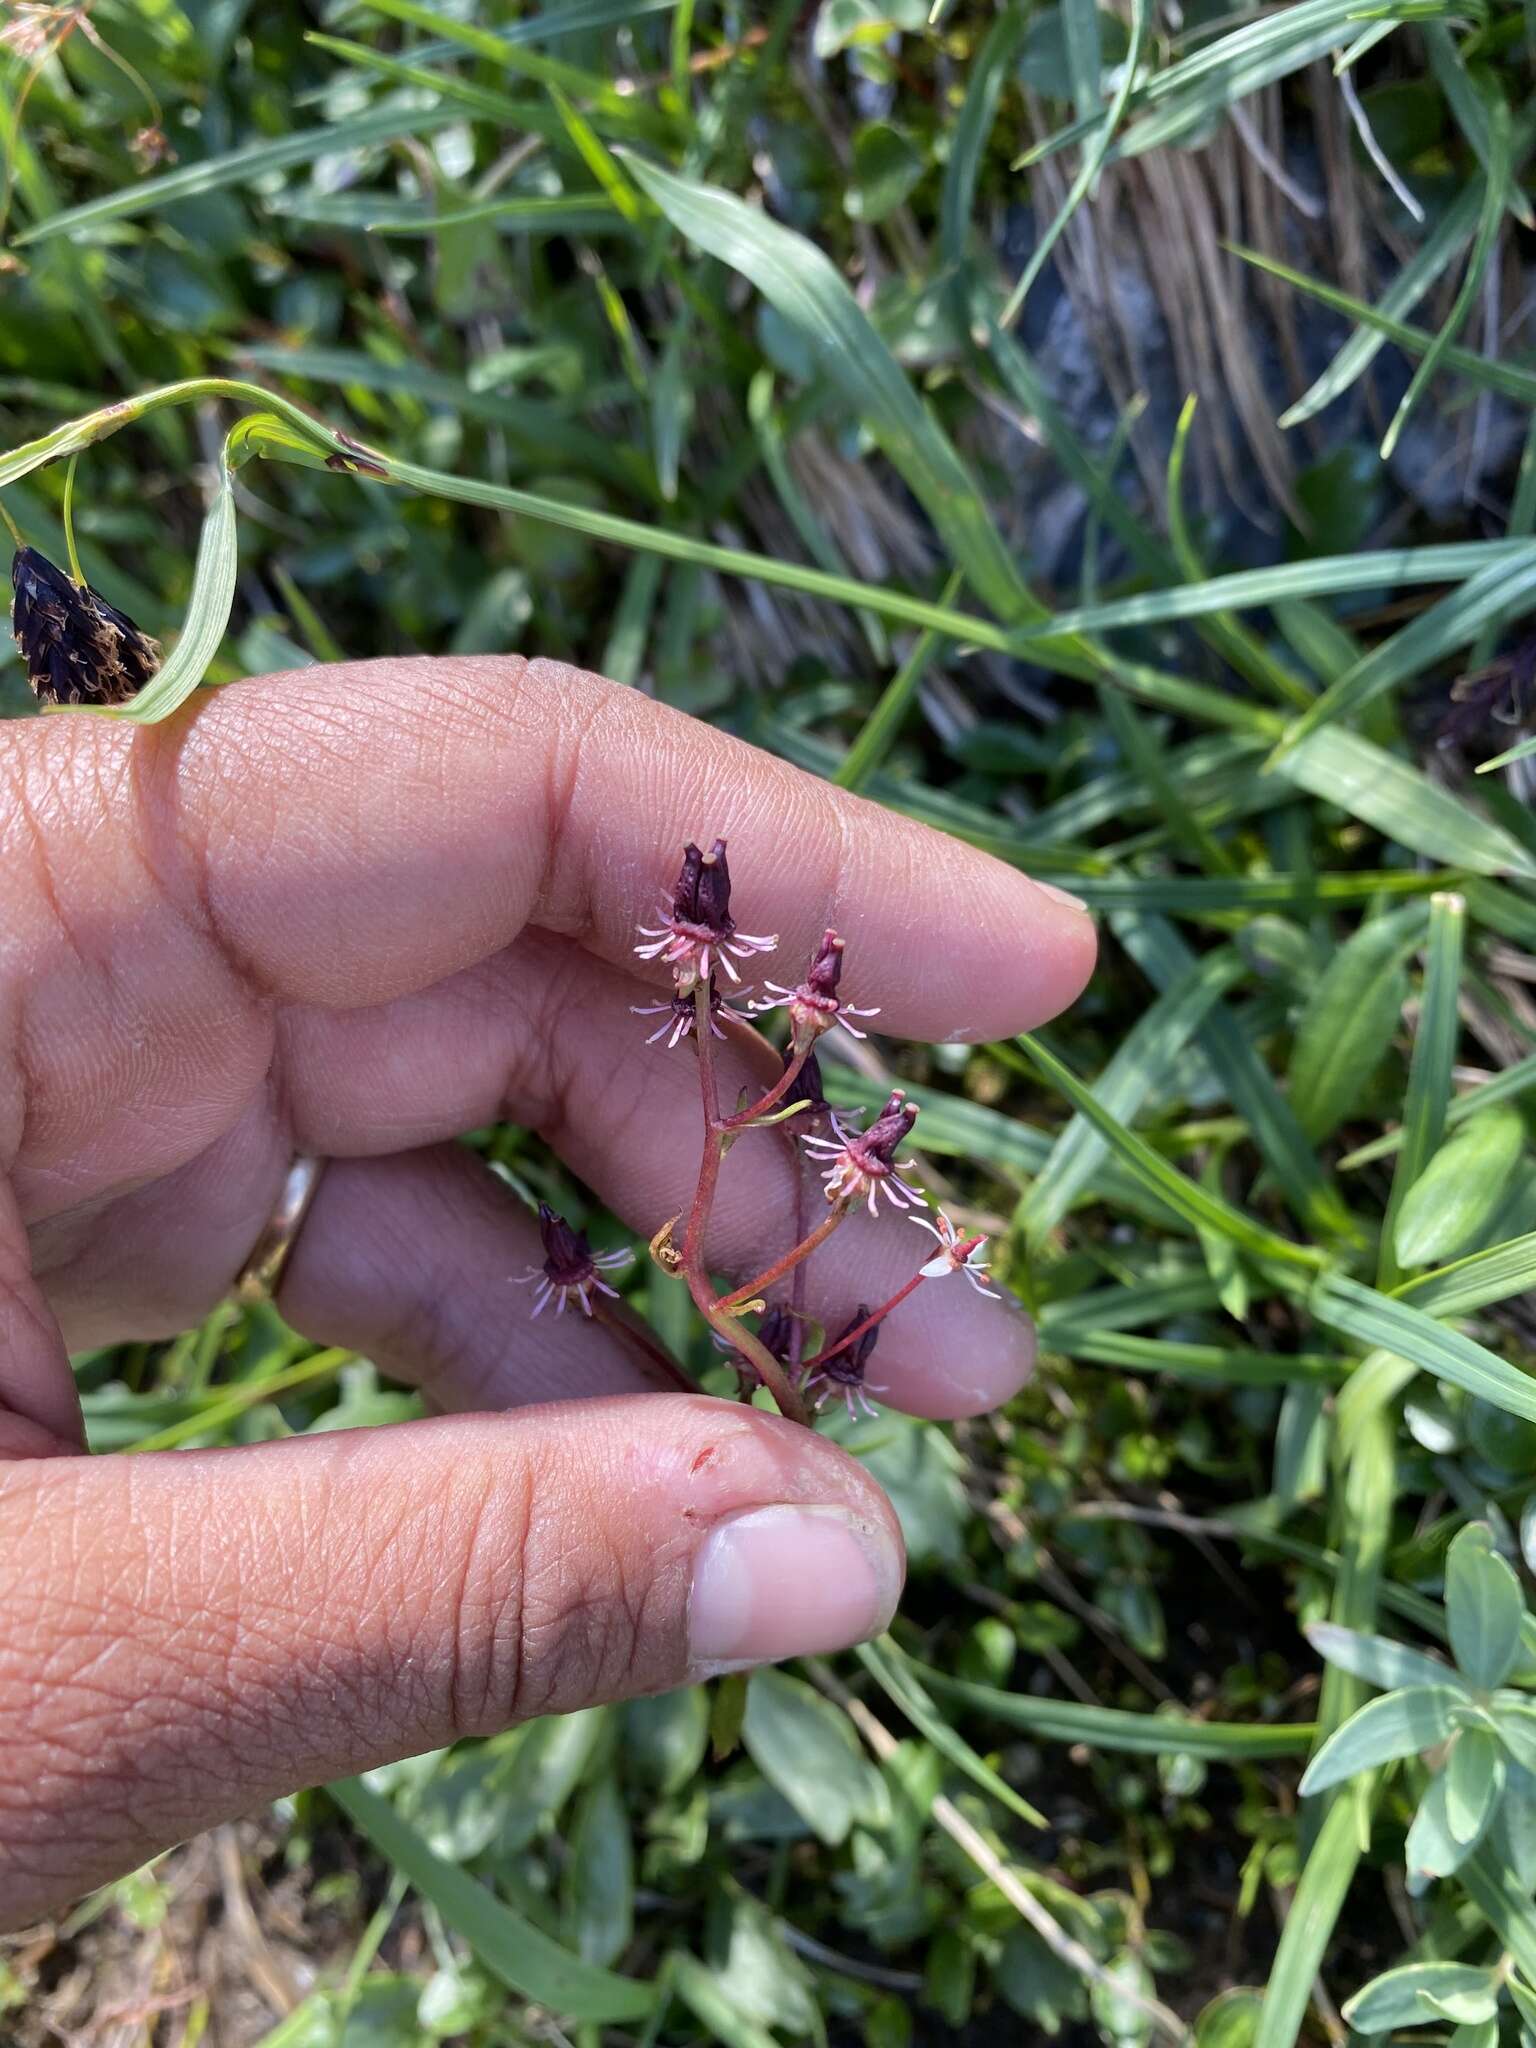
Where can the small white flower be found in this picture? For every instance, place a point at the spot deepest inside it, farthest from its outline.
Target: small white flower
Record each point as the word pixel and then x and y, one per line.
pixel 957 1254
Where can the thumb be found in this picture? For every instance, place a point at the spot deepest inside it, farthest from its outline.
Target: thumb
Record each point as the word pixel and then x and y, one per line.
pixel 191 1634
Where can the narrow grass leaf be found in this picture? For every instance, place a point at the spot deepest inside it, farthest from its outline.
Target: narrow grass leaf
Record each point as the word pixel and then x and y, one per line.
pixel 885 1664
pixel 987 75
pixel 510 1948
pixel 241 167
pixel 1161 1734
pixel 1492 214
pixel 1507 1086
pixel 1470 1284
pixel 208 608
pixel 1379 1323
pixel 1140 1065
pixel 882 728
pixel 1315 1907
pixel 1496 594
pixel 1220 1365
pixel 504 54
pixel 1181 1194
pixel 802 285
pixel 1484 371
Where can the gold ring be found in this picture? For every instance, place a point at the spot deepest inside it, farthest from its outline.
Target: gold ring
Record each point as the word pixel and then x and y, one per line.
pixel 261 1275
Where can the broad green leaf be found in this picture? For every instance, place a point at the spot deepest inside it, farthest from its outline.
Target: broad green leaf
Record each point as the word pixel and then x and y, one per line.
pixel 1348 1025
pixel 1484 1608
pixel 1432 1850
pixel 887 164
pixel 512 1949
pixel 1140 1065
pixel 1514 1719
pixel 1379 1323
pixel 1474 1781
pixel 1401 802
pixel 600 1875
pixel 665 1736
pixel 1397 1724
pixel 1182 1195
pixel 708 2002
pixel 1378 1659
pixel 806 290
pixel 1458 1194
pixel 1420 1993
pixel 808 1752
pixel 242 167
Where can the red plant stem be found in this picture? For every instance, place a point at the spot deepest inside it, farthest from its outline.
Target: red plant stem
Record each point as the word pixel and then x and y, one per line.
pixel 775 1095
pixel 772 1374
pixel 797 1286
pixel 876 1316
pixel 790 1260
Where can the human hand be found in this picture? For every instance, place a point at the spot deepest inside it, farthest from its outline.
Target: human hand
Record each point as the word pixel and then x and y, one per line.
pixel 354 912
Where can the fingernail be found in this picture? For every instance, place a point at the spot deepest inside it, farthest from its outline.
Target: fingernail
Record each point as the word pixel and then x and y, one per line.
pixel 788 1582
pixel 1061 895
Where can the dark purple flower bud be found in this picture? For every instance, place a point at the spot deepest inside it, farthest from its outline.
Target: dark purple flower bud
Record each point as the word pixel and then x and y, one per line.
pixel 809 1087
pixel 860 1166
pixel 78 648
pixel 714 893
pixel 570 1267
pixel 813 1005
pixel 776 1333
pixel 844 1370
pixel 697 930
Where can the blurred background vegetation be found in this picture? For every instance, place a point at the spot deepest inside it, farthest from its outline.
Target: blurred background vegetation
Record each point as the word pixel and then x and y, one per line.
pixel 1275 1385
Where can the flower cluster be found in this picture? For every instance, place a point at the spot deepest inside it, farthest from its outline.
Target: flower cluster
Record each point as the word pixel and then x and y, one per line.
pixel 765 1326
pixel 78 648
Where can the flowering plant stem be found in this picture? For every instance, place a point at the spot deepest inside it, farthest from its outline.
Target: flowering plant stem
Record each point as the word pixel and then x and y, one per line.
pixel 717 1138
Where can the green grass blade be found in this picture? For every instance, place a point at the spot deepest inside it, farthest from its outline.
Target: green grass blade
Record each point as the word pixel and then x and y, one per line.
pixel 1401 802
pixel 1505 1087
pixel 1489 220
pixel 1498 592
pixel 1079 16
pixel 1472 1283
pixel 240 167
pixel 1217 1365
pixel 1204 1211
pixel 1429 1072
pixel 885 1664
pixel 208 608
pixel 506 55
pixel 1140 1065
pixel 805 289
pixel 988 75
pixel 1315 1908
pixel 510 1948
pixel 1112 1728
pixel 882 728
pixel 1484 371
pixel 1378 1322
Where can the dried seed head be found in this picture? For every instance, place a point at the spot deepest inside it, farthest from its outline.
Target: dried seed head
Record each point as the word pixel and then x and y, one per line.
pixel 813 1005
pixel 570 1266
pixel 78 648
pixel 697 931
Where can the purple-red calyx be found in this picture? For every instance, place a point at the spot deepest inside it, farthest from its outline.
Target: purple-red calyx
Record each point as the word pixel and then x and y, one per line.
pixel 697 932
pixel 844 1370
pixel 570 1267
pixel 813 1004
pixel 860 1166
pixel 679 1015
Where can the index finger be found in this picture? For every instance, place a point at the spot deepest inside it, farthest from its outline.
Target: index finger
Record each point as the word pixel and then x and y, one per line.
pixel 356 832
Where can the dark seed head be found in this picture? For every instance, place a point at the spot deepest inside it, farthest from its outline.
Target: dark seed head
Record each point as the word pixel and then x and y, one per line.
pixel 889 1129
pixel 78 648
